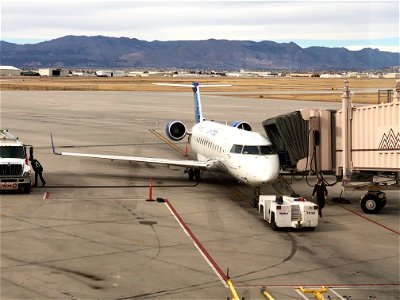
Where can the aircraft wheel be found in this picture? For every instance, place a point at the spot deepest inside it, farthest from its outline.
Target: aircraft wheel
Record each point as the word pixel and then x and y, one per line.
pixel 254 202
pixel 197 175
pixel 191 174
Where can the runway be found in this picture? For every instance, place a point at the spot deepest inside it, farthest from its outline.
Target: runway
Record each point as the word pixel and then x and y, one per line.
pixel 94 236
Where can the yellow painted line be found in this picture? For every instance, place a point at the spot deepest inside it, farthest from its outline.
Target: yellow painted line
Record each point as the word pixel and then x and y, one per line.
pixel 235 296
pixel 168 142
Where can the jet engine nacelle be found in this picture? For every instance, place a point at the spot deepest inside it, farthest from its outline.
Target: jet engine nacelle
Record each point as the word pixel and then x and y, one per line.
pixel 241 125
pixel 175 130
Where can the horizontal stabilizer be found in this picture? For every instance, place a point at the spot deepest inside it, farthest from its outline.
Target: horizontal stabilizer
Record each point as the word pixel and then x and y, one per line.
pixel 198 114
pixel 191 85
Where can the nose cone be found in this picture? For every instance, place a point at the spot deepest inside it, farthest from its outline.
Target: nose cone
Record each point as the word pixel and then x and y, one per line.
pixel 265 169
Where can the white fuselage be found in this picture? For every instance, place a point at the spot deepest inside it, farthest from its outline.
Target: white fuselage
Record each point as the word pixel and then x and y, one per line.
pixel 245 155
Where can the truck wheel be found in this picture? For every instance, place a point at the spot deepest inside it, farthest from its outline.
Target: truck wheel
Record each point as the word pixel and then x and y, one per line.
pixel 273 223
pixel 371 204
pixel 27 188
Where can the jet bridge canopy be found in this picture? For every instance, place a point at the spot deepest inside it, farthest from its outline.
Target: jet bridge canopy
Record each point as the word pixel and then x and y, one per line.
pixel 353 139
pixel 288 134
pixel 357 144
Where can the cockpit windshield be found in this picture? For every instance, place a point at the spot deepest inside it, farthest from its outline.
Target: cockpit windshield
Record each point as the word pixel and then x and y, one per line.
pixel 255 150
pixel 251 150
pixel 237 149
pixel 265 150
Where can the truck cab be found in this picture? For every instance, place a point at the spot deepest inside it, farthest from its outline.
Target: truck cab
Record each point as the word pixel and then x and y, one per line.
pixel 15 172
pixel 285 211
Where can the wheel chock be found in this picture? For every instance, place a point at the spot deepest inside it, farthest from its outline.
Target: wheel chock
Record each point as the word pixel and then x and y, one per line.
pixel 266 294
pixel 317 293
pixel 235 296
pixel 228 281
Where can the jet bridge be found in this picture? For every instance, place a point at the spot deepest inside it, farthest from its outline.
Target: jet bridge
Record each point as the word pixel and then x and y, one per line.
pixel 360 145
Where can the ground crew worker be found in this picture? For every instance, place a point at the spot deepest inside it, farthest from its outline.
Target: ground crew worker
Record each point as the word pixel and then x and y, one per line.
pixel 322 193
pixel 37 167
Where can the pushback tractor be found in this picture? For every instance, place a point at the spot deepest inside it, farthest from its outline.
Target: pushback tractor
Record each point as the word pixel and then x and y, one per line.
pixel 285 211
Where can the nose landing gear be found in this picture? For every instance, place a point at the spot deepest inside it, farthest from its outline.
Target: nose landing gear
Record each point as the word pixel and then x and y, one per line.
pixel 254 200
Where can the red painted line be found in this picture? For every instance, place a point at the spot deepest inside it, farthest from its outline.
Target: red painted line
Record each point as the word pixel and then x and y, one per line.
pixel 372 221
pixel 201 248
pixel 336 285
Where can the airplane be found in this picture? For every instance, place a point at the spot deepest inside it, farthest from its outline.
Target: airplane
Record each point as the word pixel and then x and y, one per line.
pixel 233 149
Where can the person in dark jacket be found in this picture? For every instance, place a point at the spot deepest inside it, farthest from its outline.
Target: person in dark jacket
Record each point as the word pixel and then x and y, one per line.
pixel 322 193
pixel 37 167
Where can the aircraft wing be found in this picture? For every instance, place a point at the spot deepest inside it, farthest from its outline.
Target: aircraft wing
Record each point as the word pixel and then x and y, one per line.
pixel 161 161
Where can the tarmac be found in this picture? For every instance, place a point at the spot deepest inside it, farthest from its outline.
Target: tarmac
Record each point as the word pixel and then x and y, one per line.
pixel 91 234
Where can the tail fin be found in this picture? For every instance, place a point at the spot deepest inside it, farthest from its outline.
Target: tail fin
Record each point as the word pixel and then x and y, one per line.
pixel 198 113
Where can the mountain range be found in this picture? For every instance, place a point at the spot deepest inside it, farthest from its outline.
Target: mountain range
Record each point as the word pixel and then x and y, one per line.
pixel 101 51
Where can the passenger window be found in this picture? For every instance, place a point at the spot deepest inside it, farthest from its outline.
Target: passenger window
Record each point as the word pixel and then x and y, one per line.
pixel 251 150
pixel 265 150
pixel 236 149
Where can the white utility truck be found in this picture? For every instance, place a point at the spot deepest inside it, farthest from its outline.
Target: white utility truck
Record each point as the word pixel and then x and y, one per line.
pixel 285 211
pixel 15 172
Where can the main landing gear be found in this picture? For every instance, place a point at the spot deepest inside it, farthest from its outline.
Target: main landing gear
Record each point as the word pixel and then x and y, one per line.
pixel 194 174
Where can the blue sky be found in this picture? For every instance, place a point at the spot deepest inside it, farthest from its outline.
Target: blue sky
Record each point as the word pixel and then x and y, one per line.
pixel 350 24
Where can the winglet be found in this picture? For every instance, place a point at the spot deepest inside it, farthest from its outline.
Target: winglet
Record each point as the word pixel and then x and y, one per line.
pixel 52 145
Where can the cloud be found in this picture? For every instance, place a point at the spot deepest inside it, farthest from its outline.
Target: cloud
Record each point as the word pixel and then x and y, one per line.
pixel 192 20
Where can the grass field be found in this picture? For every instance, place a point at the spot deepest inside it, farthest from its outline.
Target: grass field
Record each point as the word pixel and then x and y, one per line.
pixel 310 89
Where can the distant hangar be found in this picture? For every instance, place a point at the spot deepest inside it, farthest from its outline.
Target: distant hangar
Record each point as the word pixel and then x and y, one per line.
pixel 9 71
pixel 110 73
pixel 53 72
